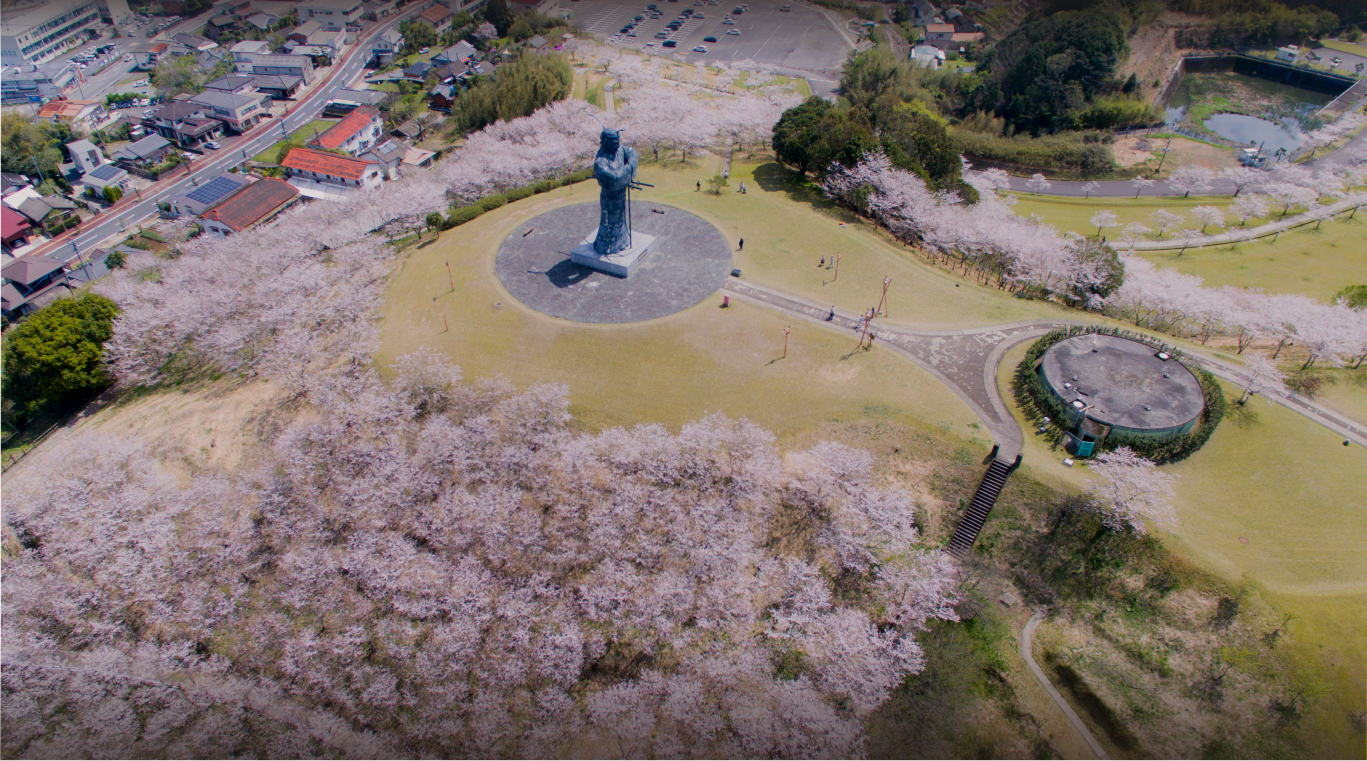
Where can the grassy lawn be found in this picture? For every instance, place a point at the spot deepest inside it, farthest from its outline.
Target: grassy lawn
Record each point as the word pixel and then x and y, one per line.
pixel 1289 487
pixel 1316 263
pixel 298 139
pixel 1345 47
pixel 670 370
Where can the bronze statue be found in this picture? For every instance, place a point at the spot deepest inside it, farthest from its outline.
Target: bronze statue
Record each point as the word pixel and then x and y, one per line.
pixel 615 168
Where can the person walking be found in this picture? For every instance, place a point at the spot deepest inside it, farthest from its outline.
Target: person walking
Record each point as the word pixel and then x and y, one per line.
pixel 742 244
pixel 699 186
pixel 823 261
pixel 831 316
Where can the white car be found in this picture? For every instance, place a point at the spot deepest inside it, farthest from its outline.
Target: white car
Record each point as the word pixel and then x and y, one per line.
pixel 423 51
pixel 727 21
pixel 733 31
pixel 212 145
pixel 649 45
pixel 147 113
pixel 700 49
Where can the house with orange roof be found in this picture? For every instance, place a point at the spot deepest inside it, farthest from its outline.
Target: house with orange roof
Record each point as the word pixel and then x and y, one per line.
pixel 356 133
pixel 82 115
pixel 439 17
pixel 253 205
pixel 312 166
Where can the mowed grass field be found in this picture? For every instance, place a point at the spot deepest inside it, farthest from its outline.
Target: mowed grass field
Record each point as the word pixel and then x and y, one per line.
pixel 298 139
pixel 1307 261
pixel 1294 492
pixel 678 368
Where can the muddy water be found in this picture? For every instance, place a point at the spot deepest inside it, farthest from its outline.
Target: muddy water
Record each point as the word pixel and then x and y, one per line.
pixel 1254 131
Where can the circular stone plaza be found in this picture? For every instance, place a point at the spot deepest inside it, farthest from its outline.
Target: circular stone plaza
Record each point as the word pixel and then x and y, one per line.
pixel 689 262
pixel 1114 386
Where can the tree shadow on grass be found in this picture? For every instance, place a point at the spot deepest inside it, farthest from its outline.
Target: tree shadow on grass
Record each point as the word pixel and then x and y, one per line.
pixel 774 177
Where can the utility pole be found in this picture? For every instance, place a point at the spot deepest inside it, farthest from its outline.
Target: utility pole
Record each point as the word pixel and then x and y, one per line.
pixel 886 281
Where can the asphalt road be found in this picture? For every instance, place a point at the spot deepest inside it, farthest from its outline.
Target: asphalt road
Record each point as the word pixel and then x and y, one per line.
pixel 801 40
pixel 133 210
pixel 1126 188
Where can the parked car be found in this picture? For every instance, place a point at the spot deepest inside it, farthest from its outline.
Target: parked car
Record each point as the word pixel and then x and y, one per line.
pixel 212 145
pixel 727 21
pixel 709 39
pixel 661 35
pixel 147 114
pixel 423 51
pixel 733 31
pixel 699 16
pixel 136 131
pixel 648 45
pixel 700 49
pixel 671 44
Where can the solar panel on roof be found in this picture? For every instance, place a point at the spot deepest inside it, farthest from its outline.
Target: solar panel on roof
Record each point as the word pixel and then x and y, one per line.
pixel 212 191
pixel 105 172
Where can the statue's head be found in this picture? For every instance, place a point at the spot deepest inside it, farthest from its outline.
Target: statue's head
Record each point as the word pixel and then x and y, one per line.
pixel 610 139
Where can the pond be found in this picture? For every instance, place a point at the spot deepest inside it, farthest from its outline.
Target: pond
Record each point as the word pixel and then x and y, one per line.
pixel 1252 130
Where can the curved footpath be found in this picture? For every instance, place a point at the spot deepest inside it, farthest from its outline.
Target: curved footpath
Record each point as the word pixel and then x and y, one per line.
pixel 1126 189
pixel 967 361
pixel 1027 652
pixel 1243 233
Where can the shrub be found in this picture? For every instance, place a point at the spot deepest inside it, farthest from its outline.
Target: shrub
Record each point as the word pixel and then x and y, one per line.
pixel 489 203
pixel 1037 402
pixel 464 214
pixel 116 260
pixel 517 194
pixel 1076 154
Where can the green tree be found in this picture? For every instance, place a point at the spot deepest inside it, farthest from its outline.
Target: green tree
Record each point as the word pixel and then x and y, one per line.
pixel 496 13
pixel 797 129
pixel 517 89
pixel 520 30
pixel 27 142
pixel 177 76
pixel 1355 296
pixel 917 139
pixel 112 194
pixel 435 221
pixel 417 35
pixel 56 354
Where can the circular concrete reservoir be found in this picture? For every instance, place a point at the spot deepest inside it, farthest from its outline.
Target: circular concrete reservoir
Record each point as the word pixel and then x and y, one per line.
pixel 1114 386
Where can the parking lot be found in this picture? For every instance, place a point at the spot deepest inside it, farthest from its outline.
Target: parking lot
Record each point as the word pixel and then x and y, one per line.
pixel 801 38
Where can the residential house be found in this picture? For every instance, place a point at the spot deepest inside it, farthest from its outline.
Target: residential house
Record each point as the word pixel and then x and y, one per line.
pixel 334 14
pixel 301 33
pixel 245 48
pixel 939 35
pixel 409 130
pixel 537 43
pixel 16 229
pixel 447 72
pixel 355 133
pixel 442 97
pixel 418 71
pixel 277 86
pixel 185 123
pixel 30 283
pixel 105 176
pixel 928 56
pixel 147 151
pixel 285 65
pixel 439 17
pixel 10 183
pixel 263 21
pixel 218 26
pixel 82 115
pixel 365 97
pixel 378 9
pixel 146 55
pixel 457 6
pixel 278 8
pixel 45 81
pixel 195 42
pixel 47 212
pixel 85 156
pixel 236 8
pixel 321 55
pixel 239 112
pixel 419 158
pixel 460 53
pixel 543 7
pixel 238 84
pixel 385 48
pixel 389 154
pixel 207 195
pixel 250 206
pixel 330 38
pixel 345 172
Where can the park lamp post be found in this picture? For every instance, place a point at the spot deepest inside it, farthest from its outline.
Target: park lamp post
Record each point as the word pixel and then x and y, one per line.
pixel 837 268
pixel 786 331
pixel 886 281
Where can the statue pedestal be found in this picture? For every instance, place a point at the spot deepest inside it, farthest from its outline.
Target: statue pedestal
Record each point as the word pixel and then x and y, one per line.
pixel 620 264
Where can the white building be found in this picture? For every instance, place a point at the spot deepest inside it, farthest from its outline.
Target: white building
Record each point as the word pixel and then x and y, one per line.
pixel 20 84
pixel 41 32
pixel 928 56
pixel 332 14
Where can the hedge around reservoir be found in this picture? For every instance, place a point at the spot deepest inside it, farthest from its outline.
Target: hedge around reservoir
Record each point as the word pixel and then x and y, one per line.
pixel 1037 403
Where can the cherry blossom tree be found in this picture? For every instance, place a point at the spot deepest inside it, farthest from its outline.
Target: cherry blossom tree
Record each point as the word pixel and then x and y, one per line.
pixel 1140 184
pixel 1134 231
pixel 1191 178
pixel 1166 220
pixel 1129 491
pixel 1208 215
pixel 1038 183
pixel 1249 207
pixel 1090 187
pixel 1263 376
pixel 1103 219
pixel 1241 177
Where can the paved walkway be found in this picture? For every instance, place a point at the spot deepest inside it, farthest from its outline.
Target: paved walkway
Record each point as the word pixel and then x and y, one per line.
pixel 1242 234
pixel 1027 652
pixel 967 362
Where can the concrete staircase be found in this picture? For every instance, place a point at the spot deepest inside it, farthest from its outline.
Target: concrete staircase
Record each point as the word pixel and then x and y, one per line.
pixel 983 500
